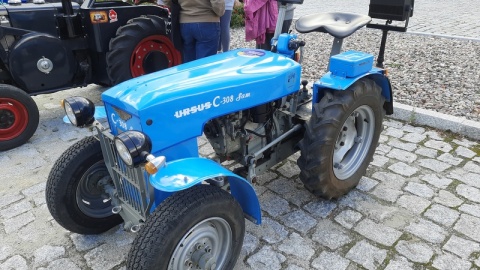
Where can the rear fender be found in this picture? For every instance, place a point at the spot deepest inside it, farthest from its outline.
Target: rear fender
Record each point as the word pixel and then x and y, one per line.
pixel 330 81
pixel 184 173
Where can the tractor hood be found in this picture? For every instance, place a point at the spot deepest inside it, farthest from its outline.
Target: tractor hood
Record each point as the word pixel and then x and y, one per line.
pixel 179 100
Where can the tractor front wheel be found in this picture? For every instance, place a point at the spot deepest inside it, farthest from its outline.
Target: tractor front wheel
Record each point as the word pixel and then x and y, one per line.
pixel 198 228
pixel 341 138
pixel 18 117
pixel 140 47
pixel 75 191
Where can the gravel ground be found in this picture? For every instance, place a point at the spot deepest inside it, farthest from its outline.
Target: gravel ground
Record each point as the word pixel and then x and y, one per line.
pixel 433 73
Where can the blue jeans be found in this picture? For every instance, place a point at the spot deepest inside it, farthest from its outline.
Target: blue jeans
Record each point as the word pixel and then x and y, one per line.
pixel 199 39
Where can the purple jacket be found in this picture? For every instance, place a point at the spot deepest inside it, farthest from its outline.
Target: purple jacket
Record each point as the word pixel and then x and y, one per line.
pixel 260 18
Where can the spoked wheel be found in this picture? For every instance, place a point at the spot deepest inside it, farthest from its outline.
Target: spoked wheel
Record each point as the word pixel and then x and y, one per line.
pixel 75 190
pixel 198 228
pixel 18 117
pixel 341 138
pixel 144 44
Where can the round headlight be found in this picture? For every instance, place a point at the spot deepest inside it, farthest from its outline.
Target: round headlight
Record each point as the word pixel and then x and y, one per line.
pixel 80 111
pixel 133 147
pixel 123 152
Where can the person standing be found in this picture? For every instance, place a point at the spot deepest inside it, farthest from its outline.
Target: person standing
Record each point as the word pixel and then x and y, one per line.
pixel 224 44
pixel 199 27
pixel 260 21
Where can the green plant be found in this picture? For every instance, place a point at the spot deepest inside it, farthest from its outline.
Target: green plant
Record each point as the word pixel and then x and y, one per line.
pixel 238 16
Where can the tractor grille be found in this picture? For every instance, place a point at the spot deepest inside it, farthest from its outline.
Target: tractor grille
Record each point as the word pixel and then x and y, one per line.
pixel 131 184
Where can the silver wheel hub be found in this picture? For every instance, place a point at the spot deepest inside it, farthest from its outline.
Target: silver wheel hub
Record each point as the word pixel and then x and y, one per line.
pixel 205 246
pixel 353 142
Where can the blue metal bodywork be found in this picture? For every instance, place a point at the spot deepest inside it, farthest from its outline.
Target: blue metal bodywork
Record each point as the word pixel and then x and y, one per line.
pixel 172 106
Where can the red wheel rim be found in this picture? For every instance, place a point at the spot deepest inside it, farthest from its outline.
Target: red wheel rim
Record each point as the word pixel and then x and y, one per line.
pixel 149 45
pixel 13 118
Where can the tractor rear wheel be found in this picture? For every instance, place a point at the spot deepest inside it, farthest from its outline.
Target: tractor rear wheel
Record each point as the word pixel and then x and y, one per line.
pixel 18 117
pixel 143 43
pixel 341 138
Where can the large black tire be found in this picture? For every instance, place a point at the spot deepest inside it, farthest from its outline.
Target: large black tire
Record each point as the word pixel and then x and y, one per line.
pixel 341 138
pixel 141 46
pixel 18 117
pixel 74 197
pixel 202 215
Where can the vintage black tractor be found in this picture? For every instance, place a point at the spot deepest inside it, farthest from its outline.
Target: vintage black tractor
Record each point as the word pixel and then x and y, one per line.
pixel 47 47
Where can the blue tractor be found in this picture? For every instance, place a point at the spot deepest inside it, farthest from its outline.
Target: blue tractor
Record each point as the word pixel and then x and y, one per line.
pixel 143 167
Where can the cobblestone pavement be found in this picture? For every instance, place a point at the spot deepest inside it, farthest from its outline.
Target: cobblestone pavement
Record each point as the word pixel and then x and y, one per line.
pixel 459 18
pixel 418 207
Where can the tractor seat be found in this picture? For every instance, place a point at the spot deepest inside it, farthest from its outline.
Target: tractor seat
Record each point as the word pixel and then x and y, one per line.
pixel 337 24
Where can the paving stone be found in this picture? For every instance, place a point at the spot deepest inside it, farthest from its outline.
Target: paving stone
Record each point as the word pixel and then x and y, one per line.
pixel 434 135
pixel 62 264
pixel 399 263
pixel 393 123
pixel 472 167
pixel 34 189
pixel 414 137
pixel 466 177
pixel 250 243
pixel 294 267
pixel 383 148
pixel 16 262
pixel 330 235
pixel 439 182
pixel 86 242
pixel 106 256
pixel 368 206
pixel 393 132
pixel 413 203
pixel 5 252
pixel 439 145
pixel 378 232
pixel 266 259
pixel 320 208
pixel 330 261
pixel 39 199
pixel 450 262
pixel 472 209
pixel 461 247
pixel 413 129
pixel 8 199
pixel 419 189
pixel 477 159
pixel 448 199
pixel 428 152
pixel 16 209
pixel 288 190
pixel 15 223
pixel 450 159
pixel 297 246
pixel 464 142
pixel 434 165
pixel 468 226
pixel 266 177
pixel 384 192
pixel 270 230
pixel 394 180
pixel 403 169
pixel 442 215
pixel 415 251
pixel 379 161
pixel 471 193
pixel 47 254
pixel 366 184
pixel 402 145
pixel 382 139
pixel 289 169
pixel 299 220
pixel 427 231
pixel 402 155
pixel 367 255
pixel 348 218
pixel 464 152
pixel 273 204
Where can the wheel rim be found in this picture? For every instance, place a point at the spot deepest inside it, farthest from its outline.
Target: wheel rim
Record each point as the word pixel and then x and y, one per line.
pixel 206 246
pixel 90 195
pixel 13 118
pixel 353 142
pixel 151 54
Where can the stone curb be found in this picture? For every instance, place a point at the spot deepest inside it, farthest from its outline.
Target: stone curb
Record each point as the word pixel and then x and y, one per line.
pixel 418 116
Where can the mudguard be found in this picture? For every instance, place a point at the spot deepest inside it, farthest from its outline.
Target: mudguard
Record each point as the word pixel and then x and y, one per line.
pixel 184 173
pixel 330 81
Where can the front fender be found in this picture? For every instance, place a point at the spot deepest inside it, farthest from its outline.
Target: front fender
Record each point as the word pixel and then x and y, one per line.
pixel 184 173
